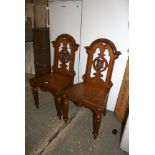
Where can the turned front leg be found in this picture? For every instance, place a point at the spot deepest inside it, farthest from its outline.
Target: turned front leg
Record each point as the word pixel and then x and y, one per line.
pixel 58 106
pixel 65 109
pixel 97 116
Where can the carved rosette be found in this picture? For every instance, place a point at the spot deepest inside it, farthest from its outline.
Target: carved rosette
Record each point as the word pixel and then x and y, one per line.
pixel 100 64
pixel 64 56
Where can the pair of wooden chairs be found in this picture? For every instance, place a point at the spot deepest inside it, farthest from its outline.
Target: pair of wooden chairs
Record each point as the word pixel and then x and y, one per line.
pixel 93 92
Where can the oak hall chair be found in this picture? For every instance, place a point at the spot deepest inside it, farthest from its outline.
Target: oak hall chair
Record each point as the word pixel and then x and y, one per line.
pixel 63 71
pixel 93 92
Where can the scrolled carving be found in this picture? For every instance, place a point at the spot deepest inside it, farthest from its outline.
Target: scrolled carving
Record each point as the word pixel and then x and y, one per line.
pixel 65 48
pixel 103 63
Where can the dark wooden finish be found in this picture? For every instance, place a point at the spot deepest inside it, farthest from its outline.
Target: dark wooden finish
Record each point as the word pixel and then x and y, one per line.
pixel 63 71
pixel 41 47
pixel 93 92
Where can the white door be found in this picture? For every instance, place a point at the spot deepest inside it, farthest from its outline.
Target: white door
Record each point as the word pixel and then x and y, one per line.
pixel 65 17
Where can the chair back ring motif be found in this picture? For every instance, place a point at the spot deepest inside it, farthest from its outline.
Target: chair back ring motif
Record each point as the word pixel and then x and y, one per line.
pixel 64 54
pixel 100 64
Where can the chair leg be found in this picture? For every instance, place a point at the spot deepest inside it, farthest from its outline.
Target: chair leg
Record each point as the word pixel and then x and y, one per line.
pixel 58 106
pixel 35 96
pixel 97 116
pixel 65 109
pixel 104 111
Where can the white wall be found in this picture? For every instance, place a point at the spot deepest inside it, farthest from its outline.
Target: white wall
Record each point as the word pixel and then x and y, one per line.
pixel 106 19
pixel 65 17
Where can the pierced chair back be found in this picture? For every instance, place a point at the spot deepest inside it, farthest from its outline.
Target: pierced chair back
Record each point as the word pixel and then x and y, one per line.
pixel 64 54
pixel 100 62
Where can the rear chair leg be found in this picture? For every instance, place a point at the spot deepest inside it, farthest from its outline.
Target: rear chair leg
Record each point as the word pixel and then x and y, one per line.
pixel 104 112
pixel 65 109
pixel 35 96
pixel 104 108
pixel 58 105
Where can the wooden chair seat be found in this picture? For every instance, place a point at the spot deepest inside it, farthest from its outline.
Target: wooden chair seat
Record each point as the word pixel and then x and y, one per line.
pixel 53 82
pixel 87 95
pixel 63 71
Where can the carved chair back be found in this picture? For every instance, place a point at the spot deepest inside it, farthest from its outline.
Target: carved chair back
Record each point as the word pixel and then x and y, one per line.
pixel 64 54
pixel 101 57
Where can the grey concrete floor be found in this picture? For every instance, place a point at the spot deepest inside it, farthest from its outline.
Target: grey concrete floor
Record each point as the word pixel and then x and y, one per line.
pixel 46 135
pixel 41 125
